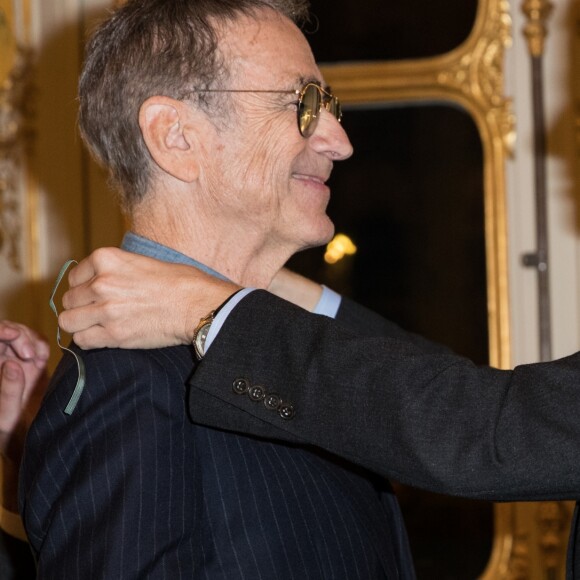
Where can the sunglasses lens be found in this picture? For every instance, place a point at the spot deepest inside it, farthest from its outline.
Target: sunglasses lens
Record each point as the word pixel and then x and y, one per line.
pixel 335 108
pixel 308 110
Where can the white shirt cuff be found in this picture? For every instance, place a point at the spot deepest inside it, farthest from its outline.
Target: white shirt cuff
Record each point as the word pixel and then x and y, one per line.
pixel 328 303
pixel 222 315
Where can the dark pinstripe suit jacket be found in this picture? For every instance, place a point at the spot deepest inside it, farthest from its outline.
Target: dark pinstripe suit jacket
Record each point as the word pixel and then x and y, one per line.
pixel 128 487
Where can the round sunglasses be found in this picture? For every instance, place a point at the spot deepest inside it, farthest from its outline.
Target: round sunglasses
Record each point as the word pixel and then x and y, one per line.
pixel 311 98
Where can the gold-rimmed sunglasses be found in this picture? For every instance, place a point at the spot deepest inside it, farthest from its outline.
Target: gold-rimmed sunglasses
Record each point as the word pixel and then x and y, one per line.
pixel 311 99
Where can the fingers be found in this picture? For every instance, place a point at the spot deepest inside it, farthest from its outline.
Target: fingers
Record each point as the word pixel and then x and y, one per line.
pixel 99 337
pixel 20 395
pixel 100 312
pixel 105 324
pixel 19 341
pixel 123 300
pixel 12 387
pixel 85 325
pixel 78 319
pixel 78 296
pixel 8 330
pixel 94 264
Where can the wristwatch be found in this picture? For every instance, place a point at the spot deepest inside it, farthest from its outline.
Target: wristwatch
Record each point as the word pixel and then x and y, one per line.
pixel 200 334
pixel 202 329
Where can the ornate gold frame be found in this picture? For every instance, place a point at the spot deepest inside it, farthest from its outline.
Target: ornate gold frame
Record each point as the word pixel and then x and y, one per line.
pixel 15 78
pixel 472 76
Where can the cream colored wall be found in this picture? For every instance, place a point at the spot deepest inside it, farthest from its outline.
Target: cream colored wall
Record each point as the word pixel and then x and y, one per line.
pixel 563 199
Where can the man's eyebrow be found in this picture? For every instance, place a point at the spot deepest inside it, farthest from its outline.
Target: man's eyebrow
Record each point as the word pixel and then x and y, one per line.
pixel 305 80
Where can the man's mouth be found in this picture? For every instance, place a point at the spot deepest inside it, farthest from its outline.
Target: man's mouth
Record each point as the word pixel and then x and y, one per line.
pixel 321 180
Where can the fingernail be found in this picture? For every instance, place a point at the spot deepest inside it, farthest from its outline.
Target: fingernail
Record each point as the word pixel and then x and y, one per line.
pixel 27 351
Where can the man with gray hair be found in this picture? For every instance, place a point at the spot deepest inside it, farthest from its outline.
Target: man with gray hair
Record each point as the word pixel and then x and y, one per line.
pixel 214 122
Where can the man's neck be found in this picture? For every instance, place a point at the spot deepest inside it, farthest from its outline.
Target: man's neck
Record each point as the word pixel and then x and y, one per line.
pixel 239 259
pixel 226 244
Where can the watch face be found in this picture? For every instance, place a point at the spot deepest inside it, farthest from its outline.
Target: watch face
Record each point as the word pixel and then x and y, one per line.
pixel 200 338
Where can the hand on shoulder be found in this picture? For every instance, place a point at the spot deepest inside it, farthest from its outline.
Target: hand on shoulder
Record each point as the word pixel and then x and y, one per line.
pixel 124 300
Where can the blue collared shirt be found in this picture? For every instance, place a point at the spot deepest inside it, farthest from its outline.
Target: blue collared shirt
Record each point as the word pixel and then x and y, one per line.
pixel 327 305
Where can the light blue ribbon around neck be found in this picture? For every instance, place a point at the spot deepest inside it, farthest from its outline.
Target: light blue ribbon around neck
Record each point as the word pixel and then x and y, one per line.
pixel 80 364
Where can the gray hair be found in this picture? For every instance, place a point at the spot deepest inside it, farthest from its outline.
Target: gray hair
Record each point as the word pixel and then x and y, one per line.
pixel 147 48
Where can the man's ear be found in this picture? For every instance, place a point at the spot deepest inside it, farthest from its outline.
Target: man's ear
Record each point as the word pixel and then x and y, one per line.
pixel 166 125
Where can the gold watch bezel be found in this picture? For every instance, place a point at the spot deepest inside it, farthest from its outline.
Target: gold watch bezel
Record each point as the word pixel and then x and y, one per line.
pixel 199 336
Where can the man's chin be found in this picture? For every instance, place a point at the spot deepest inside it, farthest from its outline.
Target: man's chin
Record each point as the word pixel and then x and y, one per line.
pixel 321 240
pixel 328 235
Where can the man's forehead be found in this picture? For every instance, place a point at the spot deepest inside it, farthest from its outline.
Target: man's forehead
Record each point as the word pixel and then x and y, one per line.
pixel 268 45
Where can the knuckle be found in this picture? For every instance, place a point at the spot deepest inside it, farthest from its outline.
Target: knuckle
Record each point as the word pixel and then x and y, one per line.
pixel 99 284
pixel 80 341
pixel 63 321
pixel 101 256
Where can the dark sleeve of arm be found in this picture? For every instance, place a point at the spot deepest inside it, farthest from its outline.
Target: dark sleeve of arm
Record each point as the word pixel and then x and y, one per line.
pixel 98 488
pixel 431 420
pixel 364 322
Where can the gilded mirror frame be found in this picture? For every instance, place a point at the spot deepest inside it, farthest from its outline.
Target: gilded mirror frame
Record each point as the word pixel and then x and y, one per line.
pixel 16 192
pixel 471 76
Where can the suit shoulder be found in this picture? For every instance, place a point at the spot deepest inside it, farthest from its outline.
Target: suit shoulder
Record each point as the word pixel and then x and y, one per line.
pixel 109 358
pixel 119 371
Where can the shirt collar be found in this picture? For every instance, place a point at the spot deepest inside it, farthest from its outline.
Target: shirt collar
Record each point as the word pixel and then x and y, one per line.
pixel 139 245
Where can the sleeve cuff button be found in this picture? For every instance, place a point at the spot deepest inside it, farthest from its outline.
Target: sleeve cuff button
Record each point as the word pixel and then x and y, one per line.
pixel 241 386
pixel 286 411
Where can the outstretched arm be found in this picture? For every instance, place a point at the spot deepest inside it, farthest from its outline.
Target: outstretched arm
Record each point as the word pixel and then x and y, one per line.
pixel 421 416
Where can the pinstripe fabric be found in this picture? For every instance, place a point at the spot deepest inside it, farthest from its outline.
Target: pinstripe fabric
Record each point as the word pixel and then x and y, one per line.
pixel 127 487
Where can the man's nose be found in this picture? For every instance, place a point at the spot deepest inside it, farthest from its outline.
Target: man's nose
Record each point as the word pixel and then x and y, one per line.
pixel 330 138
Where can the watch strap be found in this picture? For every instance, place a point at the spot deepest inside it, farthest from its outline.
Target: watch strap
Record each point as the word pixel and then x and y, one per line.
pixel 203 326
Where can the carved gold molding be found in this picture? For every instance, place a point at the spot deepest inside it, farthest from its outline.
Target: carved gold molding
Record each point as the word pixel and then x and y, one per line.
pixel 14 81
pixel 11 137
pixel 535 31
pixel 553 520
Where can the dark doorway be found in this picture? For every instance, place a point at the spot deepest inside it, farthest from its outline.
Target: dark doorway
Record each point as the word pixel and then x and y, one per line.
pixel 411 200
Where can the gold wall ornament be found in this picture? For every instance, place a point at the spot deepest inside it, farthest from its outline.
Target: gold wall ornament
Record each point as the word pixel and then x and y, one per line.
pixel 554 525
pixel 535 31
pixel 14 76
pixel 520 561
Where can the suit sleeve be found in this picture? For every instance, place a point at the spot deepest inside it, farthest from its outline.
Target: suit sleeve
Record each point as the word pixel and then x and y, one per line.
pixel 364 322
pixel 415 414
pixel 103 491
